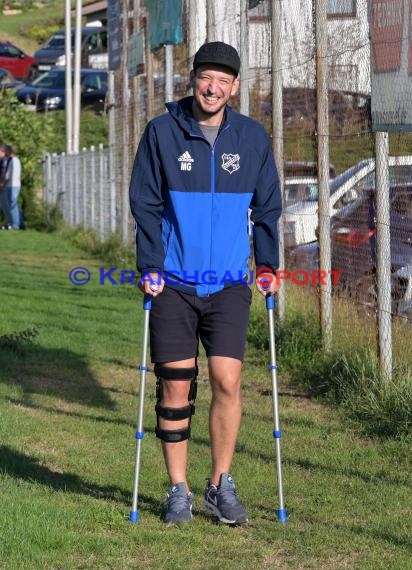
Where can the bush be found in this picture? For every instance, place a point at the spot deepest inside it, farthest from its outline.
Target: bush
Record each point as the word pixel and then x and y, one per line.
pixel 41 33
pixel 45 217
pixel 111 250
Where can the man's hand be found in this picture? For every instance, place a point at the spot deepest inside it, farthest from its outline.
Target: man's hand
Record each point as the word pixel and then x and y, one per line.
pixel 151 283
pixel 266 284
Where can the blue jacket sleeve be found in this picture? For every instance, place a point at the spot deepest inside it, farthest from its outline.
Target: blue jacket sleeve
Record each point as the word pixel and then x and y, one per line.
pixel 266 208
pixel 146 202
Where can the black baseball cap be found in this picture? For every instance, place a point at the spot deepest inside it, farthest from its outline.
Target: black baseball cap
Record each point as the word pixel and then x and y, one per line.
pixel 218 53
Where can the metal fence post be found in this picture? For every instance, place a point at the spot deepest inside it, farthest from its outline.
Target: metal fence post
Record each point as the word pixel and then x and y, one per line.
pixel 53 177
pixel 112 149
pixel 85 187
pixel 93 187
pixel 101 187
pixel 277 128
pixel 46 177
pixel 244 58
pixel 321 27
pixel 383 254
pixel 65 207
pixel 76 172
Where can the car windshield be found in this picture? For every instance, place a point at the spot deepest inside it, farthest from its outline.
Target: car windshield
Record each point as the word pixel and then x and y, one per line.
pixel 54 79
pixel 57 42
pixel 397 175
pixel 300 191
pixel 342 178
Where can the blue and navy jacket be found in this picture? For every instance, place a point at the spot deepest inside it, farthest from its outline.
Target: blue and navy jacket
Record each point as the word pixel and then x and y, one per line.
pixel 190 200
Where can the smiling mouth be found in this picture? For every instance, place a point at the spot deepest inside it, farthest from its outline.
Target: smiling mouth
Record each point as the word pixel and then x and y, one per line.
pixel 211 99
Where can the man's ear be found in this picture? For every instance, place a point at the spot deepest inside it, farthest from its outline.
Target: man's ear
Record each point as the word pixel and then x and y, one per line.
pixel 192 78
pixel 235 87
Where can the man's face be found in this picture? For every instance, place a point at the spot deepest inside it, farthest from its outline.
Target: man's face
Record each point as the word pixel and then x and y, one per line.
pixel 212 88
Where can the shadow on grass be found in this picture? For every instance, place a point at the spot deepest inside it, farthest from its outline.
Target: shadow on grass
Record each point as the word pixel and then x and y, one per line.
pixel 242 449
pixel 71 414
pixel 21 466
pixel 59 373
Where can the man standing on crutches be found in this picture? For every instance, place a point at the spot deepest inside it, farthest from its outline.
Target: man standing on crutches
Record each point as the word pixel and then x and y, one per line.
pixel 197 171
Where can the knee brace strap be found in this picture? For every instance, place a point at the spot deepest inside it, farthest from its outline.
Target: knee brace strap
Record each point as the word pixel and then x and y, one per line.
pixel 163 374
pixel 175 413
pixel 173 436
pixel 169 373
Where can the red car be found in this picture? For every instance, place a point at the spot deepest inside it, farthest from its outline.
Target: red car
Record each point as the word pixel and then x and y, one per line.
pixel 21 65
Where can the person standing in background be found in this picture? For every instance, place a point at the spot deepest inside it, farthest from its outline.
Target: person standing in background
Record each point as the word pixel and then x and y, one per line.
pixel 4 206
pixel 13 187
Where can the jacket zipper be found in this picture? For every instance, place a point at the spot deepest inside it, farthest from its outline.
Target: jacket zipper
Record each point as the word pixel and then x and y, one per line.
pixel 212 186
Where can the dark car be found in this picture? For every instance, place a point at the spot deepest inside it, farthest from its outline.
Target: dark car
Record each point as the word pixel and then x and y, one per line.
pixel 93 49
pixel 47 92
pixel 21 65
pixel 8 81
pixel 353 245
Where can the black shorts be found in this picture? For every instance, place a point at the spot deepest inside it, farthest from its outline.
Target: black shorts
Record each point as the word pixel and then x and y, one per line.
pixel 178 321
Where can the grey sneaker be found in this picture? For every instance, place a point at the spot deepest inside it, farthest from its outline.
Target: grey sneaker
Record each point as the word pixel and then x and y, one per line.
pixel 179 505
pixel 222 501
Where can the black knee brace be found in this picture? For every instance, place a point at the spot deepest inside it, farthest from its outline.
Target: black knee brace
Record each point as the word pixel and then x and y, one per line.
pixel 165 373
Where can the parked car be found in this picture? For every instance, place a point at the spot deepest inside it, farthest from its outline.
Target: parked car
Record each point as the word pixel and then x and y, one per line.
pixel 353 244
pixel 8 81
pixel 301 181
pixel 301 218
pixel 19 63
pixel 93 49
pixel 47 92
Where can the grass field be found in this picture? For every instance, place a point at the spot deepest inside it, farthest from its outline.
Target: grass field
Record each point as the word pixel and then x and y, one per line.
pixel 15 27
pixel 68 409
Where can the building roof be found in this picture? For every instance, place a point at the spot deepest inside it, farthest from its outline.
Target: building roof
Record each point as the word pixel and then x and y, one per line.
pixel 93 8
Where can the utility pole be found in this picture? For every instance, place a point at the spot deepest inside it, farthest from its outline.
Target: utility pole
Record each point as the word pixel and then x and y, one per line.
pixel 68 77
pixel 321 27
pixel 277 130
pixel 76 82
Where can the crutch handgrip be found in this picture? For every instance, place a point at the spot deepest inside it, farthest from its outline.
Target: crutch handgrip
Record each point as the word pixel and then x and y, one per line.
pixel 147 302
pixel 270 299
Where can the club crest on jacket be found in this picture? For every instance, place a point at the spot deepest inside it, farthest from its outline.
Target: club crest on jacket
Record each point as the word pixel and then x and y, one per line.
pixel 230 162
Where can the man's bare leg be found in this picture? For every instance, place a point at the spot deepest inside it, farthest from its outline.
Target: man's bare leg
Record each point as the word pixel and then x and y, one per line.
pixel 225 412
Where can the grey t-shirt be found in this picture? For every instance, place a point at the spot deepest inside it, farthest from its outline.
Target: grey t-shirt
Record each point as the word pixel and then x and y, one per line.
pixel 210 132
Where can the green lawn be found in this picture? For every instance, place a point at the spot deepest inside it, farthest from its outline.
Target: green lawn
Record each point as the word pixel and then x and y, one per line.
pixel 68 409
pixel 15 27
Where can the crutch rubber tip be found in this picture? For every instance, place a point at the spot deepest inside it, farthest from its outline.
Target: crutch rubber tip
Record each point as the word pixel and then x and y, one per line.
pixel 282 515
pixel 134 517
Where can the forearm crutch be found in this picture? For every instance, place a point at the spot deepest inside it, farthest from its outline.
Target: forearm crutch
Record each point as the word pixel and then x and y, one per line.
pixel 270 305
pixel 147 305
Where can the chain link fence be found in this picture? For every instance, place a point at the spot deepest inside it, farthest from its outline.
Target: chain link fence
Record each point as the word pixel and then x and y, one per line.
pixel 92 188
